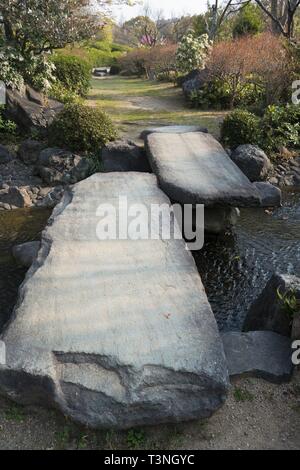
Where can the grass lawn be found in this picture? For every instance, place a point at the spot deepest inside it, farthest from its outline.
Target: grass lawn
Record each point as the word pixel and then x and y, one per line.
pixel 135 103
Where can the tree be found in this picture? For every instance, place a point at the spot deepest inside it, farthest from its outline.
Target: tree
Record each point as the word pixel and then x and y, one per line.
pixel 249 21
pixel 219 12
pixel 141 30
pixel 192 53
pixel 32 28
pixel 282 14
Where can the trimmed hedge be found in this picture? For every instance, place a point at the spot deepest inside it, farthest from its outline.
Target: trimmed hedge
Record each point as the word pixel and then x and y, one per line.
pixel 81 128
pixel 73 73
pixel 240 127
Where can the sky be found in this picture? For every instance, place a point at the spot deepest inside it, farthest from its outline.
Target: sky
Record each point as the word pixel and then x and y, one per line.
pixel 169 8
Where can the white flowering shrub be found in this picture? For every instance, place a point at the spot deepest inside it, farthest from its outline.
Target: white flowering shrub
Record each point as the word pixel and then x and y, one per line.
pixel 192 52
pixel 34 69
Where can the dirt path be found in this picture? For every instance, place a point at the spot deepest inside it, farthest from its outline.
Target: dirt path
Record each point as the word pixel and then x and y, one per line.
pixel 135 104
pixel 257 415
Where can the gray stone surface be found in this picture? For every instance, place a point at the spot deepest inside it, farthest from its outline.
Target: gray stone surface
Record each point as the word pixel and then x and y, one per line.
pixel 194 168
pixel 5 155
pixel 268 312
pixel 259 354
pixel 172 130
pixel 28 111
pixel 26 253
pixel 29 151
pixel 56 166
pixel 253 162
pixel 124 155
pixel 116 333
pixel 270 195
pixel 15 197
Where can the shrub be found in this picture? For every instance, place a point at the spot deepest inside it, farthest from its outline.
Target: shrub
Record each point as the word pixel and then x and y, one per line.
pixel 261 60
pixel 115 69
pixel 73 72
pixel 281 127
pixel 8 128
pixel 81 128
pixel 60 93
pixel 192 52
pixel 240 127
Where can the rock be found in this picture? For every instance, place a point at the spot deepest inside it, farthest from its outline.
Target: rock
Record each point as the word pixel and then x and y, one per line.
pixel 194 168
pixel 262 354
pixel 218 220
pixel 57 166
pixel 194 81
pixel 14 196
pixel 30 150
pixel 274 180
pixel 268 312
pixel 26 253
pixel 29 114
pixel 253 162
pixel 5 155
pixel 124 155
pixel 296 326
pixel 172 130
pixel 270 195
pixel 115 333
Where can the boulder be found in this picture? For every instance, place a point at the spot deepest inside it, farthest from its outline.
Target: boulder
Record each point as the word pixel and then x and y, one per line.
pixel 114 333
pixel 124 155
pixel 30 150
pixel 56 166
pixel 194 168
pixel 194 81
pixel 253 162
pixel 220 219
pixel 26 253
pixel 172 130
pixel 262 354
pixel 28 113
pixel 5 156
pixel 15 197
pixel 268 311
pixel 270 195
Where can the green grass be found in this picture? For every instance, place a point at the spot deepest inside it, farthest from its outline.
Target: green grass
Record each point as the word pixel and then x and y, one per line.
pixel 135 103
pixel 15 413
pixel 242 395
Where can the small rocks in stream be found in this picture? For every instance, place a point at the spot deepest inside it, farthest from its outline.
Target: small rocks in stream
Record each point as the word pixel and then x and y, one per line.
pixel 15 197
pixel 26 253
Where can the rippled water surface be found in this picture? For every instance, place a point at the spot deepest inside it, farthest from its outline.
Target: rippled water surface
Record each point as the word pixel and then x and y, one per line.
pixel 17 226
pixel 234 268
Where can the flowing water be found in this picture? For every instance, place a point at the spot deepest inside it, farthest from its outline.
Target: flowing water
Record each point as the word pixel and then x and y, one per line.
pixel 17 226
pixel 234 268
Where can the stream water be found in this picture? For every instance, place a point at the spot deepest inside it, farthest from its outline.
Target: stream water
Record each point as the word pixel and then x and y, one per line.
pixel 234 268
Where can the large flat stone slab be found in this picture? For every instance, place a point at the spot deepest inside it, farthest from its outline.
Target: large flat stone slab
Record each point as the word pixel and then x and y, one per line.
pixel 172 130
pixel 193 168
pixel 116 333
pixel 262 354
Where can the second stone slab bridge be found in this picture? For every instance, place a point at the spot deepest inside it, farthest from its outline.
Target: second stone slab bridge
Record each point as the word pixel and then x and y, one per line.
pixel 119 333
